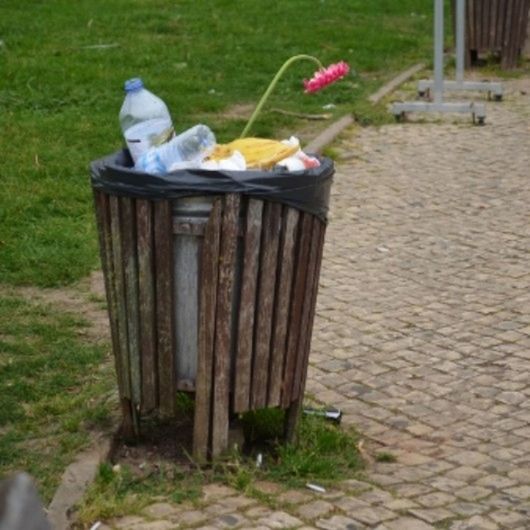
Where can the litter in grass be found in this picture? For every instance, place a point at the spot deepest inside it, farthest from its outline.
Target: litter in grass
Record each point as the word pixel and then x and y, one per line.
pixel 331 414
pixel 315 487
pixel 100 46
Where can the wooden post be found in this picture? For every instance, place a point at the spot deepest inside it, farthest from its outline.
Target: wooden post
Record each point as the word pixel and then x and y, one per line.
pixel 223 324
pixel 130 266
pixel 147 313
pixel 265 306
pixel 249 279
pixel 209 267
pixel 304 347
pixel 164 307
pixel 130 423
pixel 297 303
pixel 101 203
pixel 282 303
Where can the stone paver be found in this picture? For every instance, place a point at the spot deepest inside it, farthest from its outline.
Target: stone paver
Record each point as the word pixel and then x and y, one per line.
pixel 422 334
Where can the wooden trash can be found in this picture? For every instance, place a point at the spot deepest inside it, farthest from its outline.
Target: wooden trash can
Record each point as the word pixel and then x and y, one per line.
pixel 495 27
pixel 214 296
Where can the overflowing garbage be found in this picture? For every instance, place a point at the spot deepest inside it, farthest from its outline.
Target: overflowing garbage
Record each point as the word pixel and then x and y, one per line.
pixel 155 148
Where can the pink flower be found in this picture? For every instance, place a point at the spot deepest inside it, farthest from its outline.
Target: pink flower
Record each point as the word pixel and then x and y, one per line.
pixel 325 76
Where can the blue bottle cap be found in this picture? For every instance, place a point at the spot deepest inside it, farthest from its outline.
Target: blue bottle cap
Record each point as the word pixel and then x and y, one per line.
pixel 133 84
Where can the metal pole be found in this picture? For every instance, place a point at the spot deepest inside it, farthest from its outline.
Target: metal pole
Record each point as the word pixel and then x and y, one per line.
pixel 460 40
pixel 438 51
pixel 477 110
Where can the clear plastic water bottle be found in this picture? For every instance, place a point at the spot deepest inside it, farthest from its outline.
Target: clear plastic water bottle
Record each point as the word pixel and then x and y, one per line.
pixel 144 118
pixel 187 149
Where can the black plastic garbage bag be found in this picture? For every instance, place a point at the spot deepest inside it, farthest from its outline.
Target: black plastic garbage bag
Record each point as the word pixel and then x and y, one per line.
pixel 306 190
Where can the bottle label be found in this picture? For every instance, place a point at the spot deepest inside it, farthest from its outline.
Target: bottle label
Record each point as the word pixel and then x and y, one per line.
pixel 151 133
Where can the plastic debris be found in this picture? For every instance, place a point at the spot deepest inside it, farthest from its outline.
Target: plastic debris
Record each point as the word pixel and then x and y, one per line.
pixel 299 161
pixel 101 46
pixel 235 162
pixel 315 487
pixel 332 414
pixel 259 153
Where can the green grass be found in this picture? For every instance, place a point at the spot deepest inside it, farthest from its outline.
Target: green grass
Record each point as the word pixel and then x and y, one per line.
pixel 117 491
pixel 53 391
pixel 324 454
pixel 60 97
pixel 385 457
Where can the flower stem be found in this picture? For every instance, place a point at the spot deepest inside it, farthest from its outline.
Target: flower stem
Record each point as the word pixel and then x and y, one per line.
pixel 273 83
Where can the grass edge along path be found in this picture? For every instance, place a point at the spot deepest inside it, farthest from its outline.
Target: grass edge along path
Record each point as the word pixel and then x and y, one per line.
pixel 56 390
pixel 325 454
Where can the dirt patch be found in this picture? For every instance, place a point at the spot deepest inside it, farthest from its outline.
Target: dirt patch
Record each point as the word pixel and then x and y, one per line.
pixel 161 446
pixel 165 445
pixel 239 111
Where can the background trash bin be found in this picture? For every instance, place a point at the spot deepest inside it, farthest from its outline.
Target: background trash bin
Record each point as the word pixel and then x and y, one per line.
pixel 496 27
pixel 212 294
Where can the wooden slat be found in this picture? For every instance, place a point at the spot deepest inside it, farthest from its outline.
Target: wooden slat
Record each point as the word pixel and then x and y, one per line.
pixel 292 415
pixel 282 304
pixel 130 264
pixel 479 23
pixel 493 24
pixel 297 303
pixel 506 32
pixel 245 334
pixel 522 24
pixel 223 323
pixel 264 310
pixel 312 267
pixel 488 20
pixel 313 302
pixel 485 24
pixel 518 17
pixel 207 309
pixel 499 26
pixel 164 307
pixel 514 45
pixel 471 24
pixel 101 204
pixel 467 32
pixel 293 412
pixel 508 35
pixel 146 293
pixel 128 411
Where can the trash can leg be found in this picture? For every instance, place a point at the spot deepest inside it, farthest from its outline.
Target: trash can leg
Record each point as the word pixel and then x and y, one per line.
pixel 292 415
pixel 129 423
pixel 207 305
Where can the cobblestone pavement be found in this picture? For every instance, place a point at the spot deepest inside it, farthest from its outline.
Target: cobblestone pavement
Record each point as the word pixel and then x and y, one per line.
pixel 422 335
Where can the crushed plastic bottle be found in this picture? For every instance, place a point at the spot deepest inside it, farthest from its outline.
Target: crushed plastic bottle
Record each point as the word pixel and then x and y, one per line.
pixel 188 149
pixel 144 118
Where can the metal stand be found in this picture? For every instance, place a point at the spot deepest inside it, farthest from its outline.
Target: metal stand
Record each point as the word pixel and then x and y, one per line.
pixel 477 110
pixel 492 88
